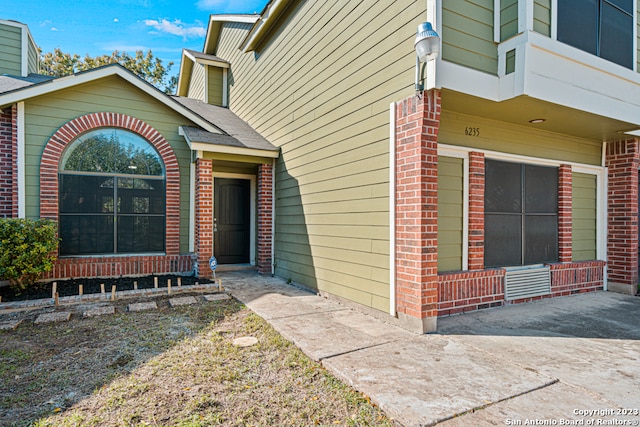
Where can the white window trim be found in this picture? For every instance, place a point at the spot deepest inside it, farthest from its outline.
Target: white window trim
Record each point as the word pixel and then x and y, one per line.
pixel 22 204
pixel 252 208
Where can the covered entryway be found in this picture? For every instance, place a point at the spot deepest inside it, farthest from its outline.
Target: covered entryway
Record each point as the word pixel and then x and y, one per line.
pixel 232 220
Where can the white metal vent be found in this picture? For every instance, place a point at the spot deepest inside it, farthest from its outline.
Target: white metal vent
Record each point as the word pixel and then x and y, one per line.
pixel 527 282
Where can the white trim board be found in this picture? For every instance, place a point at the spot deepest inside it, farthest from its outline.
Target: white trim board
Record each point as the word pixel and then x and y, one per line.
pixel 252 207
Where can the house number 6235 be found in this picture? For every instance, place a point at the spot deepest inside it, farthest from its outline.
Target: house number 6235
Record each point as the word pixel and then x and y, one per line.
pixel 471 131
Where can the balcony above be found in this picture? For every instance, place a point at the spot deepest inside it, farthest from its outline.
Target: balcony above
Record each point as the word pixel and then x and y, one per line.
pixel 578 93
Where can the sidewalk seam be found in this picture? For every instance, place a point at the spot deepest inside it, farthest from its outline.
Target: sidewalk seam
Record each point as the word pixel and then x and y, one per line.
pixel 356 350
pixel 478 408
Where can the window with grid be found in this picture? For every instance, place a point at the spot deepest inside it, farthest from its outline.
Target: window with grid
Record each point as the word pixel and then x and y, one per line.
pixel 521 214
pixel 111 195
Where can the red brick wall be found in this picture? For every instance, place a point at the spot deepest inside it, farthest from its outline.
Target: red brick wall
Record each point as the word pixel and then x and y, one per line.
pixel 417 125
pixel 49 198
pixel 112 266
pixel 265 218
pixel 7 147
pixel 573 277
pixel 565 202
pixel 476 211
pixel 204 215
pixel 622 159
pixel 470 290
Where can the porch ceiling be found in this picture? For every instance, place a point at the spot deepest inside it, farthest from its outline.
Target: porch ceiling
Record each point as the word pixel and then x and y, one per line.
pixel 522 109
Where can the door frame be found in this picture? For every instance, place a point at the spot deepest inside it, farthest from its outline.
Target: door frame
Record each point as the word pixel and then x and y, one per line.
pixel 252 207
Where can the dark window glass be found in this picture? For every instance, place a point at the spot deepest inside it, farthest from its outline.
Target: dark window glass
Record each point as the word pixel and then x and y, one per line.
pixel 600 27
pixel 616 35
pixel 503 240
pixel 578 23
pixel 503 187
pixel 541 238
pixel 112 195
pixel 521 214
pixel 86 234
pixel 541 189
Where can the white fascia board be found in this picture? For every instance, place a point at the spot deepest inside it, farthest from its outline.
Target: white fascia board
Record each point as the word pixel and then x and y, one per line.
pixel 220 64
pixel 90 76
pixel 226 149
pixel 466 80
pixel 243 19
pixel 183 70
pixel 270 14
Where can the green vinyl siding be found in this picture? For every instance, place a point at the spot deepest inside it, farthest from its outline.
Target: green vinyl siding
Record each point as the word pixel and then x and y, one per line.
pixel 196 83
pixel 542 17
pixel 45 114
pixel 33 59
pixel 450 213
pixel 467 34
pixel 10 50
pixel 507 138
pixel 315 90
pixel 214 85
pixel 508 19
pixel 584 207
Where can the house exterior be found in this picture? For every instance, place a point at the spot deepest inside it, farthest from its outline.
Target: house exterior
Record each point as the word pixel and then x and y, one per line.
pixel 512 175
pixel 116 163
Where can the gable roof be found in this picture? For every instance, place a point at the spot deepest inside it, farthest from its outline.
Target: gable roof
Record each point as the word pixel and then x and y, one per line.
pixel 237 133
pixel 48 86
pixel 220 129
pixel 189 58
pixel 215 25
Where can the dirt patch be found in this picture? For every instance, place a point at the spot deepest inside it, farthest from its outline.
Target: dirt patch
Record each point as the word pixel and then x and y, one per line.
pixel 71 287
pixel 174 366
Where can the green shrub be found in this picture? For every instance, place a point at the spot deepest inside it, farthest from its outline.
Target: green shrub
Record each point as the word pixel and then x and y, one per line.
pixel 27 249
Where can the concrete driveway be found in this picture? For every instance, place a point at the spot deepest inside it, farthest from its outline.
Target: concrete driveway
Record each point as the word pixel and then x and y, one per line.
pixel 564 361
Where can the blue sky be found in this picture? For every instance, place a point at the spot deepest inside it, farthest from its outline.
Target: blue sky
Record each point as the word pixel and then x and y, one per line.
pixel 97 27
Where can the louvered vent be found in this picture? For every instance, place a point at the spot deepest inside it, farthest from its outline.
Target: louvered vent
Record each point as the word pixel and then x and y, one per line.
pixel 527 282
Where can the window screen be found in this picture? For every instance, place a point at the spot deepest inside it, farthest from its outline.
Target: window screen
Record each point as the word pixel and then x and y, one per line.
pixel 521 214
pixel 601 27
pixel 111 195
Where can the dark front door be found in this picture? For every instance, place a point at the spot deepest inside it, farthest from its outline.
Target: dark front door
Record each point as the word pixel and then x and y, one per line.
pixel 231 210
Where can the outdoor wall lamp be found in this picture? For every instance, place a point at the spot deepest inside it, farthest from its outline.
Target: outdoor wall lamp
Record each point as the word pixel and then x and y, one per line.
pixel 427 47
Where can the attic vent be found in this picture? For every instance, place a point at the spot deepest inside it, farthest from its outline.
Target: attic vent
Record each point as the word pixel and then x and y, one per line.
pixel 527 282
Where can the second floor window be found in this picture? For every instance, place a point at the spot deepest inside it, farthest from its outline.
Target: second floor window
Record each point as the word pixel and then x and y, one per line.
pixel 601 27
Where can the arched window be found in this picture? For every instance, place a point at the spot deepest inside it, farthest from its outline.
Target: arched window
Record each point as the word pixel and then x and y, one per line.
pixel 112 195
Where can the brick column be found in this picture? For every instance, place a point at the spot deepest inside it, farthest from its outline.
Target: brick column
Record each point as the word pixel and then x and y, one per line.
pixel 417 123
pixel 265 218
pixel 565 218
pixel 476 211
pixel 204 216
pixel 622 160
pixel 7 165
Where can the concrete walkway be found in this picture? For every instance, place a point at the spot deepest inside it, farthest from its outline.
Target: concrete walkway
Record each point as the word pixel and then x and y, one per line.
pixel 566 361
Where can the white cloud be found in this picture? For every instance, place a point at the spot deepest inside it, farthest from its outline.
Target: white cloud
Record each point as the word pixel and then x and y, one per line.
pixel 45 23
pixel 116 20
pixel 176 28
pixel 54 29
